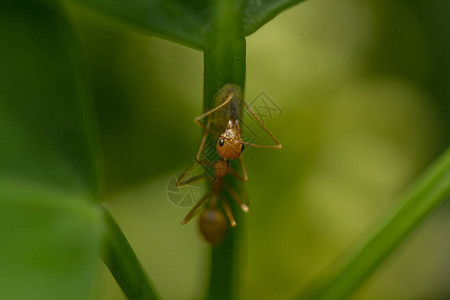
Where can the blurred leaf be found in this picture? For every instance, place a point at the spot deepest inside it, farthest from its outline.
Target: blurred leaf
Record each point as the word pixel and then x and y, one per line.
pixel 49 243
pixel 424 197
pixel 50 231
pixel 182 21
pixel 187 22
pixel 44 114
pixel 121 260
pixel 259 12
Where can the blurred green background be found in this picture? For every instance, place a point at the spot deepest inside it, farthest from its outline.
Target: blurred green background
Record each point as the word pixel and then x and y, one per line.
pixel 363 90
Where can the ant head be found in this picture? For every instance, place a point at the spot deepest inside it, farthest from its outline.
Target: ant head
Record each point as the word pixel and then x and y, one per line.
pixel 230 144
pixel 213 225
pixel 221 168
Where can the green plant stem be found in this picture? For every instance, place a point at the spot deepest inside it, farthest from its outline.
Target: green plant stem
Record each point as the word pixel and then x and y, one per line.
pixel 224 55
pixel 123 264
pixel 424 197
pixel 224 59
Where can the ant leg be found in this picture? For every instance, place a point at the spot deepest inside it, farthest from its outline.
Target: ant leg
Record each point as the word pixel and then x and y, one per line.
pixel 277 146
pixel 206 128
pixel 237 175
pixel 183 175
pixel 228 211
pixel 202 144
pixel 198 118
pixel 181 179
pixel 191 180
pixel 195 208
pixel 241 160
pixel 205 163
pixel 236 198
pixel 263 146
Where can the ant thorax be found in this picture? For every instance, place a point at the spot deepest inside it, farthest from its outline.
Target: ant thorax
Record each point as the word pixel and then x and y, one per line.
pixel 221 168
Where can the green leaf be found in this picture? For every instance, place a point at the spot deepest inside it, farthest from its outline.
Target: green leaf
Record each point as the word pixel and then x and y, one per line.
pixel 44 115
pixel 50 231
pixel 188 22
pixel 425 196
pixel 49 243
pixel 120 259
pixel 182 21
pixel 259 12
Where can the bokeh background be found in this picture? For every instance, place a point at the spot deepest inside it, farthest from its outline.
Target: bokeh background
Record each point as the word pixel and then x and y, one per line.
pixel 363 88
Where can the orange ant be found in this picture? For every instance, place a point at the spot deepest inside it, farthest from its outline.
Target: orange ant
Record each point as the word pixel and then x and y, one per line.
pixel 229 103
pixel 229 146
pixel 212 221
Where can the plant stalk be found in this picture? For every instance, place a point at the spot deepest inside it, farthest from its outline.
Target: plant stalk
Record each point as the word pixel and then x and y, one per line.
pixel 224 62
pixel 123 264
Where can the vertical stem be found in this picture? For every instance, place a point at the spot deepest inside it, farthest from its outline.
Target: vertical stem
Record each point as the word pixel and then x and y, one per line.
pixel 224 60
pixel 224 56
pixel 223 275
pixel 224 63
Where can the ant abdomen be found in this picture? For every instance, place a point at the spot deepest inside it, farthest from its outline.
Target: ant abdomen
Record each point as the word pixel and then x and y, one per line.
pixel 213 225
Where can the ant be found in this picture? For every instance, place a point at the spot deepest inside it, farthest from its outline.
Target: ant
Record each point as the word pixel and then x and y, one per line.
pixel 228 101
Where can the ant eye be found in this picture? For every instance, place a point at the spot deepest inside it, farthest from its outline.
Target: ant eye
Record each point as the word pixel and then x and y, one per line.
pixel 221 142
pixel 242 147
